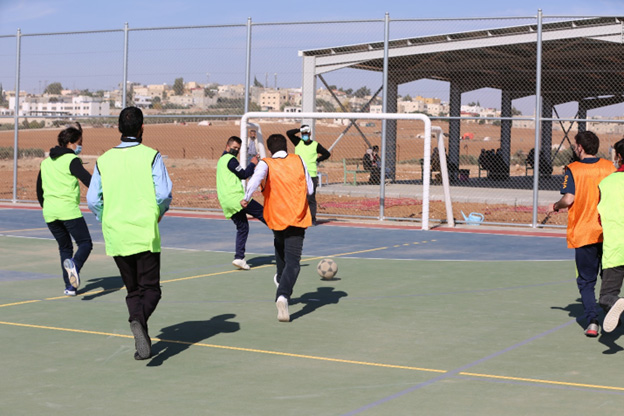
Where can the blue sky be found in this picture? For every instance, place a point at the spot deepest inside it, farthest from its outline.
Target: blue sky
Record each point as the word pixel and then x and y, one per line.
pixel 94 61
pixel 38 16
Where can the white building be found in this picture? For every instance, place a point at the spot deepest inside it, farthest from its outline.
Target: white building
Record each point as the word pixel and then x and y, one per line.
pixel 61 106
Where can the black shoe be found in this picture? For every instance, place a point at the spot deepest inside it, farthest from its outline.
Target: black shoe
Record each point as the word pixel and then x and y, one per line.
pixel 142 341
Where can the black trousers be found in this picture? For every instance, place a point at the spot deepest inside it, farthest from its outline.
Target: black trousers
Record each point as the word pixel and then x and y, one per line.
pixel 242 225
pixel 610 287
pixel 288 247
pixel 312 199
pixel 63 231
pixel 141 275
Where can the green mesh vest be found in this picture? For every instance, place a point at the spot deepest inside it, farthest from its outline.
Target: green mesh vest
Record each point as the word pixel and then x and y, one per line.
pixel 229 187
pixel 61 192
pixel 309 155
pixel 610 209
pixel 130 212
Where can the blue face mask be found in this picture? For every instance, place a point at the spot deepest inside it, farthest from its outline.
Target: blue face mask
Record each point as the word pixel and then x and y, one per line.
pixel 78 149
pixel 305 137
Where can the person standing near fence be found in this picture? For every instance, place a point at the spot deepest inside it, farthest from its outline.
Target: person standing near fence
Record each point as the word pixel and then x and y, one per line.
pixel 230 191
pixel 312 154
pixel 612 220
pixel 252 146
pixel 58 193
pixel 130 192
pixel 581 195
pixel 285 185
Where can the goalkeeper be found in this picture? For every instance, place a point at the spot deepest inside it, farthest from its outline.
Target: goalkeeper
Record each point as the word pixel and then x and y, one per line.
pixel 312 153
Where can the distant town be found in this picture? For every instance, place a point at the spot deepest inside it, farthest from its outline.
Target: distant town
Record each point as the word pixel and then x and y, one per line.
pixel 213 99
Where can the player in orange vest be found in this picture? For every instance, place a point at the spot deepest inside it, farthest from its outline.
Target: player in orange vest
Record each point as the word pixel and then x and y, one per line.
pixel 285 184
pixel 581 195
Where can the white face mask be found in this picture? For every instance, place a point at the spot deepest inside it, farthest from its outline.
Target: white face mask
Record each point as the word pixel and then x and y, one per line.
pixel 78 149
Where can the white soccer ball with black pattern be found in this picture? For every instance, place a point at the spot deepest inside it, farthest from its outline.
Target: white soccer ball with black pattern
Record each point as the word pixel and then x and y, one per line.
pixel 327 269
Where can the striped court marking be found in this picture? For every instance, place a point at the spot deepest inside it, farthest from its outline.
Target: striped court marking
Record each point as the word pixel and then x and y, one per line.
pixel 444 373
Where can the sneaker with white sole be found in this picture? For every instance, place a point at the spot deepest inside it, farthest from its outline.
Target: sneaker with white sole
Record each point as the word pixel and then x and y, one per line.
pixel 612 319
pixel 72 273
pixel 592 329
pixel 142 341
pixel 282 309
pixel 69 292
pixel 275 280
pixel 241 264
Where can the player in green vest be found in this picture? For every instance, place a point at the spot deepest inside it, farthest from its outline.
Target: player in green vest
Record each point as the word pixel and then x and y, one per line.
pixel 612 219
pixel 58 193
pixel 312 153
pixel 130 192
pixel 230 192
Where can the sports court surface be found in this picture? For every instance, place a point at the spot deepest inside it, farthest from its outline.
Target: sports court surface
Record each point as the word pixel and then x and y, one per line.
pixel 415 323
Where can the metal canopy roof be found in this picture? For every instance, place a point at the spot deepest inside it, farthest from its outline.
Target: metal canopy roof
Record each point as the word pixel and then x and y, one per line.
pixel 580 59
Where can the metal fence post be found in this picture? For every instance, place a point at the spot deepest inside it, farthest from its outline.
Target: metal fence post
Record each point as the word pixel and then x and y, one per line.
pixel 538 117
pixel 248 67
pixel 16 115
pixel 384 130
pixel 124 89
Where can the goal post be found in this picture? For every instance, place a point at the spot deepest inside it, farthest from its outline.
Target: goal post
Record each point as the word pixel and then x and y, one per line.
pixel 245 124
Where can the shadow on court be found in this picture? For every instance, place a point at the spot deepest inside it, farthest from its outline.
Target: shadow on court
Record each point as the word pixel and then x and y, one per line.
pixel 174 339
pixel 261 261
pixel 314 300
pixel 101 286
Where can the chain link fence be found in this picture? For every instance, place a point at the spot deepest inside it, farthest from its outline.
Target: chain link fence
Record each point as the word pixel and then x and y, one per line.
pixel 475 78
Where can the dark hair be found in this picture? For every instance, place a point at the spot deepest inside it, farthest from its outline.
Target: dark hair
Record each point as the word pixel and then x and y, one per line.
pixel 375 147
pixel 71 134
pixel 588 141
pixel 130 121
pixel 618 147
pixel 277 142
pixel 234 139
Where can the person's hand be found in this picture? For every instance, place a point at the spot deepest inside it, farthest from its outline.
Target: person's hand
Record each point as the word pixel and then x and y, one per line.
pixel 254 160
pixel 551 209
pixel 244 203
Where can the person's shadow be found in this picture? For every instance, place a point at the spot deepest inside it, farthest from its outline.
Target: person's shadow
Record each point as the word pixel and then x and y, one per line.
pixel 314 300
pixel 575 310
pixel 174 339
pixel 261 261
pixel 101 286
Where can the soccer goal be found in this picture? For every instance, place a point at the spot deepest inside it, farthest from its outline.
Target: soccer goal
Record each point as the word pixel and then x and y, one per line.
pixel 246 124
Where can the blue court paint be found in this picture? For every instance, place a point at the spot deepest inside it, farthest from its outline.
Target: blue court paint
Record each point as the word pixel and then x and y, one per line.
pixel 326 240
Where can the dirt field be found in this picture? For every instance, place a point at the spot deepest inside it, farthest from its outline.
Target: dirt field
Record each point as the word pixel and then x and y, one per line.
pixel 191 153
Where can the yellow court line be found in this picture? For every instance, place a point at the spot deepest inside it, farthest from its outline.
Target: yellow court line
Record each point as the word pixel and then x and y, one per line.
pixel 534 380
pixel 25 229
pixel 327 359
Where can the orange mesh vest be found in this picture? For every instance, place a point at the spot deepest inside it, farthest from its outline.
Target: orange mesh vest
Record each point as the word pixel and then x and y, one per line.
pixel 285 194
pixel 583 225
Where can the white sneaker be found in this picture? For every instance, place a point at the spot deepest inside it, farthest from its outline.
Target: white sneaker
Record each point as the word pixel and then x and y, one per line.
pixel 72 273
pixel 241 264
pixel 282 309
pixel 612 318
pixel 275 280
pixel 69 292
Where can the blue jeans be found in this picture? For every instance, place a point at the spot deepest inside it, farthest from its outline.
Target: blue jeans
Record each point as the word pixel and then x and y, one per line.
pixel 242 225
pixel 588 259
pixel 288 247
pixel 63 231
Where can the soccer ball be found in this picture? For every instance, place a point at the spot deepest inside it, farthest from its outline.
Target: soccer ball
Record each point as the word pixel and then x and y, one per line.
pixel 327 269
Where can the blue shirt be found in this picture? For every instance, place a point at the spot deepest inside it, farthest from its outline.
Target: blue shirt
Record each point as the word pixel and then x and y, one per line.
pixel 568 186
pixel 162 185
